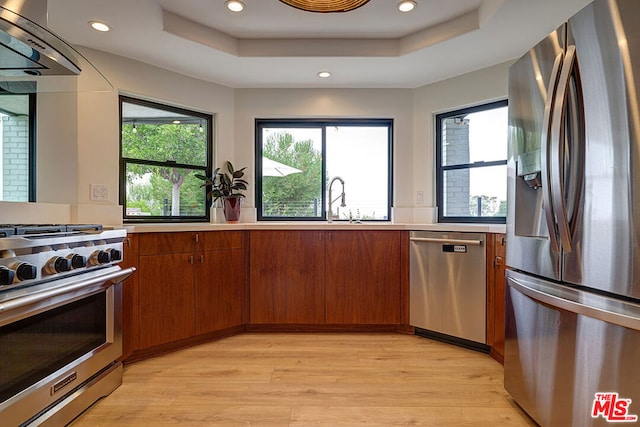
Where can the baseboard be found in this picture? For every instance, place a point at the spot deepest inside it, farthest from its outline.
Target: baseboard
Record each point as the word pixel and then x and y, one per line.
pixel 323 328
pixel 449 339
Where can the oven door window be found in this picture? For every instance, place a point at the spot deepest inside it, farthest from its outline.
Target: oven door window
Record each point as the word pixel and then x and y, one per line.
pixel 35 347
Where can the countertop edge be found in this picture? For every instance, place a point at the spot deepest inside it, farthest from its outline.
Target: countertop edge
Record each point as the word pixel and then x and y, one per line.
pixel 178 227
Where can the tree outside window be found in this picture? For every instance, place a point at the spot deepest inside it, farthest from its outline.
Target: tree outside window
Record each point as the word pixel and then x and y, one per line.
pixel 296 161
pixel 162 149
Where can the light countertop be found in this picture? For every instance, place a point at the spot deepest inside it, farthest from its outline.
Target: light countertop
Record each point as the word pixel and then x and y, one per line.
pixel 313 225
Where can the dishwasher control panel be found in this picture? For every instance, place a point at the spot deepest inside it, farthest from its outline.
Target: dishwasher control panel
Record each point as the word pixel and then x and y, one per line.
pixel 461 249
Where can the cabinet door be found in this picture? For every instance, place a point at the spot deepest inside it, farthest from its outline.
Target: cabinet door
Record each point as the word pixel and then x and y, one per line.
pixel 130 320
pixel 499 287
pixel 364 277
pixel 496 280
pixel 166 298
pixel 220 289
pixel 287 277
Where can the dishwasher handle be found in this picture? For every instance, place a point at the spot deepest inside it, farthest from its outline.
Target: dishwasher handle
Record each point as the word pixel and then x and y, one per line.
pixel 446 241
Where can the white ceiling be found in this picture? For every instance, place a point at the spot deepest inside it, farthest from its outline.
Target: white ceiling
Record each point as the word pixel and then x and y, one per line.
pixel 272 45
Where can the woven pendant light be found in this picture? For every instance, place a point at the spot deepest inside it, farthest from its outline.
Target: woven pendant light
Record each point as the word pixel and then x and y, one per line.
pixel 325 6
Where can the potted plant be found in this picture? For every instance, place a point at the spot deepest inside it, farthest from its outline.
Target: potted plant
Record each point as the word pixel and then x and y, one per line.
pixel 228 187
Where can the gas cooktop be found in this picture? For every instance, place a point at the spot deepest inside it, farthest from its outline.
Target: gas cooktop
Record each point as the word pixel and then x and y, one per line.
pixel 33 254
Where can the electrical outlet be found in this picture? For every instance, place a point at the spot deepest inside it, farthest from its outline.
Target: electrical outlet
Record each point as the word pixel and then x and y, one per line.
pixel 99 192
pixel 419 197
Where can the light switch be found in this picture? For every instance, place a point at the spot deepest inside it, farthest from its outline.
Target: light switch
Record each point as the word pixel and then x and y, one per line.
pixel 99 192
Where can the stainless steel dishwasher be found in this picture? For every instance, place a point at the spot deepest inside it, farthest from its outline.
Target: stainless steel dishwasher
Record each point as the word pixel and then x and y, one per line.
pixel 448 287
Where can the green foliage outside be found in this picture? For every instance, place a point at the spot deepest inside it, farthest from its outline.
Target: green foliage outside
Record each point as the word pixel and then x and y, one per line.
pixel 149 186
pixel 297 194
pixel 491 206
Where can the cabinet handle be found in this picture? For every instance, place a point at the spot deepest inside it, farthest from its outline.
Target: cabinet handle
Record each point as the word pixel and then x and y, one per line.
pixel 191 259
pixel 196 237
pixel 503 241
pixel 201 259
pixel 497 261
pixel 128 241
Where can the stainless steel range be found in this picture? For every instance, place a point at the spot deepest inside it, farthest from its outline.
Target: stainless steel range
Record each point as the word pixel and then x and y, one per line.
pixel 60 320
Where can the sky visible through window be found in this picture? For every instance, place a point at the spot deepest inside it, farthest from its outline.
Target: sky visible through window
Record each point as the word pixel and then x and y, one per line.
pixel 488 141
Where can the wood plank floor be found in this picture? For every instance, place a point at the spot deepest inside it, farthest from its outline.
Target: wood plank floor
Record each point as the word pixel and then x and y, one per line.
pixel 312 379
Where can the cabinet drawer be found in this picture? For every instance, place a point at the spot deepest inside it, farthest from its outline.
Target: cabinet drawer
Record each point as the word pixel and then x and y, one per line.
pixel 168 243
pixel 217 240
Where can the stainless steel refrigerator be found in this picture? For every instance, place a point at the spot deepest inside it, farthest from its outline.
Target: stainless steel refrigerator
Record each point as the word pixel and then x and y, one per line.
pixel 572 345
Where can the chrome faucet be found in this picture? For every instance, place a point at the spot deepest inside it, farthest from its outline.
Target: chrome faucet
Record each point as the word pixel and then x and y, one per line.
pixel 331 200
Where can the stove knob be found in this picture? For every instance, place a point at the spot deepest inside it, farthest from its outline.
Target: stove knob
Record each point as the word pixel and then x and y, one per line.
pixel 100 257
pixel 26 271
pixel 116 255
pixel 6 276
pixel 58 265
pixel 77 261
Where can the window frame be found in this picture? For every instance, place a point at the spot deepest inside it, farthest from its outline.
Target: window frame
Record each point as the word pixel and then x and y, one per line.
pixel 261 123
pixel 31 143
pixel 440 169
pixel 123 161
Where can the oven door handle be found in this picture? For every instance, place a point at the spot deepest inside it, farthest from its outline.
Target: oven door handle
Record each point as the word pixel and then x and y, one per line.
pixel 105 280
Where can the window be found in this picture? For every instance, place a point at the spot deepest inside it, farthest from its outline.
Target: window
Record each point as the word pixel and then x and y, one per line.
pixel 302 162
pixel 471 164
pixel 17 147
pixel 162 149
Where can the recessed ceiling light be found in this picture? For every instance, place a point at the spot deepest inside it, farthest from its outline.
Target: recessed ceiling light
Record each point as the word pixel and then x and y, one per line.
pixel 406 6
pixel 234 5
pixel 99 26
pixel 324 74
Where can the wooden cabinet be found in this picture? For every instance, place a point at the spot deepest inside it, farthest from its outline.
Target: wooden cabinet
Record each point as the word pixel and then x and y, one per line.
pixel 342 277
pixel 189 284
pixel 221 284
pixel 166 298
pixel 130 333
pixel 287 277
pixel 195 285
pixel 496 283
pixel 363 277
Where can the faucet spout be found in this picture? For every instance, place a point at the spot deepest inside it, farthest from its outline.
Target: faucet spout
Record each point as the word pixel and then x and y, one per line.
pixel 331 199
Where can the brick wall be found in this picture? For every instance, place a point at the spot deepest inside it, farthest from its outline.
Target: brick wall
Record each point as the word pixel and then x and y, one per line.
pixel 15 158
pixel 456 182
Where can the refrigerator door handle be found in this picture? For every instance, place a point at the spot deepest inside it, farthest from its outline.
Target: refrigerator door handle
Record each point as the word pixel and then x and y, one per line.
pixel 598 307
pixel 545 146
pixel 557 149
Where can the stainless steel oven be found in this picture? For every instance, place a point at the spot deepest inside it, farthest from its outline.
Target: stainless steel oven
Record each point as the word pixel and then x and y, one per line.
pixel 60 324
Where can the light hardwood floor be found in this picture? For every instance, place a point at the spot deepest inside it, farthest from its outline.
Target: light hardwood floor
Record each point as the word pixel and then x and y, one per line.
pixel 312 379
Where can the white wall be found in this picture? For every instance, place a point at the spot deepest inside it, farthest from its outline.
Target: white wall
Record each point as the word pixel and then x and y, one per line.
pixel 98 123
pixel 488 84
pixel 57 150
pixel 77 149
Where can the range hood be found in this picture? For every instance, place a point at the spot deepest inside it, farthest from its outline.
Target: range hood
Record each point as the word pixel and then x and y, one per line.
pixel 35 60
pixel 27 47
